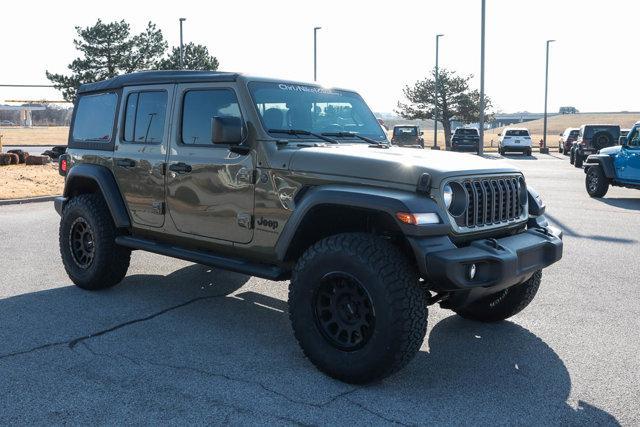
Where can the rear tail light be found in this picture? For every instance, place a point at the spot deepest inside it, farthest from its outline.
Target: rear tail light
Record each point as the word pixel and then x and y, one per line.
pixel 64 163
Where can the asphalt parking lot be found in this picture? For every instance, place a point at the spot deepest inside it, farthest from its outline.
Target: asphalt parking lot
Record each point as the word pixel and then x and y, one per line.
pixel 166 345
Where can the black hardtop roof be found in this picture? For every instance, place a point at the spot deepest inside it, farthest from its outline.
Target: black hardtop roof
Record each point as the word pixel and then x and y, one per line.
pixel 158 77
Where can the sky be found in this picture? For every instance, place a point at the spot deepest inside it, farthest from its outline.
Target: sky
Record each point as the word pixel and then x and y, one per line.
pixel 375 48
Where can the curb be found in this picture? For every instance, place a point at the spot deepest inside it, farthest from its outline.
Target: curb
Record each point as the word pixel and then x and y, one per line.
pixel 27 200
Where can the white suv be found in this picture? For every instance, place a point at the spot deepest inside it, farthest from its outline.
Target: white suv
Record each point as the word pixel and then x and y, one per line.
pixel 515 139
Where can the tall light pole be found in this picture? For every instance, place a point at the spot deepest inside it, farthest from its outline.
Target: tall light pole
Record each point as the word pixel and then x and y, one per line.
pixel 181 45
pixel 315 53
pixel 544 149
pixel 482 106
pixel 435 115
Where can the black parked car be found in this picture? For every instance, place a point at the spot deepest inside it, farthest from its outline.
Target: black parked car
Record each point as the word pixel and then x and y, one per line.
pixel 591 139
pixel 56 151
pixel 465 139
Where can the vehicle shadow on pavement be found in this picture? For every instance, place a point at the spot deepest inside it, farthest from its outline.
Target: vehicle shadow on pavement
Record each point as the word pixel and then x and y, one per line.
pixel 623 203
pixel 479 373
pixel 518 157
pixel 158 348
pixel 568 231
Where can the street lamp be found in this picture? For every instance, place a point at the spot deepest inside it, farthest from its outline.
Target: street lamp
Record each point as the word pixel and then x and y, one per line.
pixel 544 149
pixel 482 106
pixel 315 53
pixel 181 44
pixel 435 115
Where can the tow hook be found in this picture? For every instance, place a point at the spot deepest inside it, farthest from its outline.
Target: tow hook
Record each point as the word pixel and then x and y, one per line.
pixel 494 244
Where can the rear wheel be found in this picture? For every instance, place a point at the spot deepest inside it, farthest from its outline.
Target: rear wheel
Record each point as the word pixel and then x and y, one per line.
pixel 528 152
pixel 596 182
pixel 572 156
pixel 356 307
pixel 560 148
pixel 87 244
pixel 503 304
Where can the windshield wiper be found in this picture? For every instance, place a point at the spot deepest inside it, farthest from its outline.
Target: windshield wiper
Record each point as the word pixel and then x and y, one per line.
pixel 303 132
pixel 355 135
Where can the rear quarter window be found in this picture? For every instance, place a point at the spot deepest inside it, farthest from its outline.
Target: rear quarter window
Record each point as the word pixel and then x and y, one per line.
pixel 94 118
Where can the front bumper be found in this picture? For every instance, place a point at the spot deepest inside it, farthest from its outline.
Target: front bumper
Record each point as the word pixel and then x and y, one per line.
pixel 499 263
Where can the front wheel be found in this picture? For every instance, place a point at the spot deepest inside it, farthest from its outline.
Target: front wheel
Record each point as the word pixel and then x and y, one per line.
pixel 597 184
pixel 503 304
pixel 356 307
pixel 572 156
pixel 87 244
pixel 579 159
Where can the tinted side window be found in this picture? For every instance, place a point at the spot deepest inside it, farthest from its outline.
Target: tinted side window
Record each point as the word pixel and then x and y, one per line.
pixel 199 107
pixel 94 118
pixel 145 116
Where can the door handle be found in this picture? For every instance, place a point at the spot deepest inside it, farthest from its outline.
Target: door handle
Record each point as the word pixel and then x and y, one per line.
pixel 180 167
pixel 126 163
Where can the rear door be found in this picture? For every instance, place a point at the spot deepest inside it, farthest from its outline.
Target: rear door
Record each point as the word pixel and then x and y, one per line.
pixel 141 151
pixel 209 188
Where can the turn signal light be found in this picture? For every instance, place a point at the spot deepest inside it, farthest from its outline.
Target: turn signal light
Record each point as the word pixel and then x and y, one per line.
pixel 418 218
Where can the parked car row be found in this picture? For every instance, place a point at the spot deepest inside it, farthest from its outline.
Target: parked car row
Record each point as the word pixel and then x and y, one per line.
pixel 609 155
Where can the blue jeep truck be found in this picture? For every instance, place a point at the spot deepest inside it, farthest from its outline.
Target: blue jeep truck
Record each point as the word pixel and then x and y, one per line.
pixel 618 165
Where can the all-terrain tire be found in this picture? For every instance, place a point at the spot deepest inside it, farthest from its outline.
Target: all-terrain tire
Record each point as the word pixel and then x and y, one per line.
pixel 503 304
pixel 596 182
pixel 578 161
pixel 529 152
pixel 572 156
pixel 393 333
pixel 87 244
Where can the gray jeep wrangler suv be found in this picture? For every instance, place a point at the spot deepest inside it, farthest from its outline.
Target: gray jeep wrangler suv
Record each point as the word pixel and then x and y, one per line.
pixel 293 181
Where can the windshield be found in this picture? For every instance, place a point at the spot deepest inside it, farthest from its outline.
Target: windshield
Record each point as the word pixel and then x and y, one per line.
pixel 314 109
pixel 517 133
pixel 405 131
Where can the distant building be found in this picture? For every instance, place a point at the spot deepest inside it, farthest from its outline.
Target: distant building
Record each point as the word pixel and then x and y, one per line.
pixel 502 119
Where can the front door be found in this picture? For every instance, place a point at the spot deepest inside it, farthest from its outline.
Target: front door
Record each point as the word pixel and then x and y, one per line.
pixel 628 159
pixel 141 150
pixel 209 188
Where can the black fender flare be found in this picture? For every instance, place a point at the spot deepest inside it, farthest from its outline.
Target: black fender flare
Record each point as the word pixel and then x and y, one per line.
pixel 106 183
pixel 605 161
pixel 375 199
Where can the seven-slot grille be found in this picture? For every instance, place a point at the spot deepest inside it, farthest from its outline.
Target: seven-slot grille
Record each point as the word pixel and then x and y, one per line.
pixel 491 201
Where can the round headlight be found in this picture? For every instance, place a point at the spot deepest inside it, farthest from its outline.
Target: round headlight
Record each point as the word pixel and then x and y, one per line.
pixel 447 195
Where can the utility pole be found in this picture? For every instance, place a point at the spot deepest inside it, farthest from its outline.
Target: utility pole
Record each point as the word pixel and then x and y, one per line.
pixel 181 44
pixel 544 149
pixel 315 53
pixel 482 106
pixel 435 114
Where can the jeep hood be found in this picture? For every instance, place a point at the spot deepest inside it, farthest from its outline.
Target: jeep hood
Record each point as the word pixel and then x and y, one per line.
pixel 611 151
pixel 396 164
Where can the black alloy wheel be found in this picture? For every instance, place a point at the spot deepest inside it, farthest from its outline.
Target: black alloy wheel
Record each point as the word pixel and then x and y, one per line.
pixel 344 312
pixel 82 242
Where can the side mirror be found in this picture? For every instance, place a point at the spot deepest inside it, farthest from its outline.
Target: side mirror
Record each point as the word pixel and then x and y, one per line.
pixel 226 130
pixel 421 133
